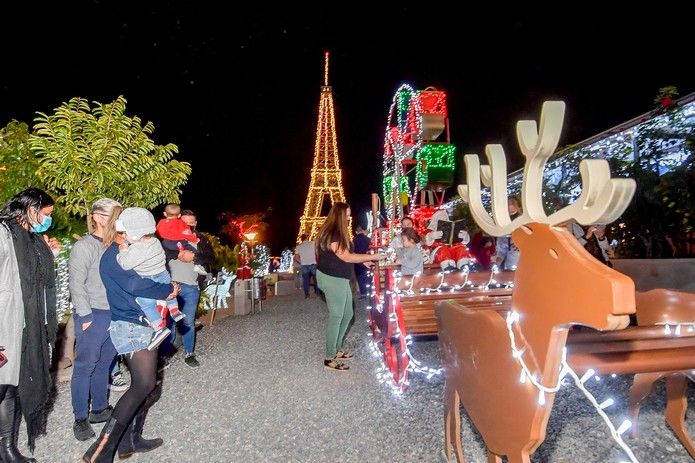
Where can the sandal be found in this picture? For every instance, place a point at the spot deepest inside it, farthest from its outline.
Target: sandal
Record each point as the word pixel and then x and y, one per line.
pixel 343 354
pixel 332 364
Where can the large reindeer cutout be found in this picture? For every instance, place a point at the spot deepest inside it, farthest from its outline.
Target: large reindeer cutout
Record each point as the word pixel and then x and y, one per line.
pixel 557 284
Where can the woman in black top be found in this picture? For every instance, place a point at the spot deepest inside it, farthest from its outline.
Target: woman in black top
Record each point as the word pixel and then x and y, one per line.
pixel 334 270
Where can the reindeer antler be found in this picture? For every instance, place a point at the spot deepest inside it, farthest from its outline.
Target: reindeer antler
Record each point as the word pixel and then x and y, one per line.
pixel 602 200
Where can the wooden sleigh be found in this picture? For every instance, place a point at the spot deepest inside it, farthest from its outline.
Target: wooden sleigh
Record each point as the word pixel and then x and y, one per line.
pixel 557 285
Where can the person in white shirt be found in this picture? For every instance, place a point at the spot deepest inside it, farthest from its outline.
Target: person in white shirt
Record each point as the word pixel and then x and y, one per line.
pixel 306 255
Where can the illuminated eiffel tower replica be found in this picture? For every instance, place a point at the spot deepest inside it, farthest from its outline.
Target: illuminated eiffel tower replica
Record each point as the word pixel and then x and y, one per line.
pixel 326 178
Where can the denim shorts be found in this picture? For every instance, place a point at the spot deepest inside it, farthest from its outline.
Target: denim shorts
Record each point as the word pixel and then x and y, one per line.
pixel 129 337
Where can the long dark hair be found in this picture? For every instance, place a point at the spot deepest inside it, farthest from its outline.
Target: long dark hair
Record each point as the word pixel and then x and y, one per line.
pixel 335 226
pixel 18 206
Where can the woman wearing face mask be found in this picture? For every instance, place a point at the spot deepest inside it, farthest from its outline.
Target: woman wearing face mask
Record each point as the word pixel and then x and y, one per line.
pixel 27 318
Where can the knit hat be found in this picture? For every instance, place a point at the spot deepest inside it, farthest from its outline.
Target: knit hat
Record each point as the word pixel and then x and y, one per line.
pixel 136 222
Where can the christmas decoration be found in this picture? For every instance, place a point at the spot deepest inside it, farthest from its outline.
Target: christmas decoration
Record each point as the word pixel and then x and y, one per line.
pixel 326 177
pixel 416 119
pixel 286 260
pixel 63 304
pixel 260 263
pixel 556 285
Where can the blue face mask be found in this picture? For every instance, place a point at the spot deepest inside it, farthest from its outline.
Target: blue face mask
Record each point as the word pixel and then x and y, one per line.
pixel 43 226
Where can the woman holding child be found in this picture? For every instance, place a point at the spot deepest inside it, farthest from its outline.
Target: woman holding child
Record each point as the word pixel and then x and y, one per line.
pixel 131 335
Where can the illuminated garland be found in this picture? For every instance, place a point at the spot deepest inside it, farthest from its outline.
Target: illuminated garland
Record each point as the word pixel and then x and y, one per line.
pixel 405 138
pixel 286 260
pixel 412 364
pixel 436 163
pixel 518 354
pixel 63 304
pixel 619 146
pixel 261 260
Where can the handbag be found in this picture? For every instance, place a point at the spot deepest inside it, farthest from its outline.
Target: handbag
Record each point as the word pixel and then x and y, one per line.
pixel 3 357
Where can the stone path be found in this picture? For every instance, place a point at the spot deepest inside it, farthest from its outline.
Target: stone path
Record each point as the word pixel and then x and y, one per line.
pixel 262 395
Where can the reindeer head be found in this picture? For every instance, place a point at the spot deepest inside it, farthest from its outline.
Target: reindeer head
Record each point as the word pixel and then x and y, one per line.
pixel 557 283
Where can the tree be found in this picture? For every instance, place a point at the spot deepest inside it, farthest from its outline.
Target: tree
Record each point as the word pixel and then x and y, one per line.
pixel 18 164
pixel 85 153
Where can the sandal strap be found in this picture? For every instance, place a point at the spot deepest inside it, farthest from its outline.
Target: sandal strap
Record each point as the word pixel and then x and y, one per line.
pixel 335 365
pixel 343 354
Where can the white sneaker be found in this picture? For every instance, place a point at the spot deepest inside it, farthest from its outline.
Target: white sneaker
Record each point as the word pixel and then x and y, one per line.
pixel 118 383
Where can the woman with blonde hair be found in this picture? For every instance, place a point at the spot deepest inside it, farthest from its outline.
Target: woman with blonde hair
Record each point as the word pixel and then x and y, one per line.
pixel 94 351
pixel 334 271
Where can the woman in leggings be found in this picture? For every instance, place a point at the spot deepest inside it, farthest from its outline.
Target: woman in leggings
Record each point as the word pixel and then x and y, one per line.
pixel 131 335
pixel 336 265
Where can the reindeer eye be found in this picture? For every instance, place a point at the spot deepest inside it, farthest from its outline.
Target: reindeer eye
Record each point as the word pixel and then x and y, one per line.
pixel 553 253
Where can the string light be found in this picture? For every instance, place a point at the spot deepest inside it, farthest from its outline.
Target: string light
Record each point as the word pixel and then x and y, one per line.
pixel 619 146
pixel 565 369
pixel 326 175
pixel 436 163
pixel 286 260
pixel 63 304
pixel 261 259
pixel 403 140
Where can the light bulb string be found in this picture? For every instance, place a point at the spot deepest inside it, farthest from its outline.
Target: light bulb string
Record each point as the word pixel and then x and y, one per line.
pixel 614 432
pixel 565 369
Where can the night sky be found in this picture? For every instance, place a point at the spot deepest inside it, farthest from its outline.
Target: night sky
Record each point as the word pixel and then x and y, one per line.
pixel 238 89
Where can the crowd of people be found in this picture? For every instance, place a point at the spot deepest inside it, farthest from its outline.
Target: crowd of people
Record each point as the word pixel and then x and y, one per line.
pixel 133 280
pixel 129 291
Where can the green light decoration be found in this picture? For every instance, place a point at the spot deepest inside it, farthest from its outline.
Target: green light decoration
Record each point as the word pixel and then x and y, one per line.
pixel 436 163
pixel 404 97
pixel 387 186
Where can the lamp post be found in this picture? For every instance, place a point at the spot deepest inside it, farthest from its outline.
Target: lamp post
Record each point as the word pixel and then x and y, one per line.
pixel 250 236
pixel 255 292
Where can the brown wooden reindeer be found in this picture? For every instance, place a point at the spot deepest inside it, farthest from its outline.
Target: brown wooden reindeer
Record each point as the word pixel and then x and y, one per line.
pixel 557 284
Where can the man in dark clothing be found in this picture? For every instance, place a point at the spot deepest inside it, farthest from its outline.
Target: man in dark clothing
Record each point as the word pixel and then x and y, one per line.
pixel 205 255
pixel 361 246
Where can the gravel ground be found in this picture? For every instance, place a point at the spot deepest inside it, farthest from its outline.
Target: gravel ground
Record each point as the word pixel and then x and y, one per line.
pixel 262 394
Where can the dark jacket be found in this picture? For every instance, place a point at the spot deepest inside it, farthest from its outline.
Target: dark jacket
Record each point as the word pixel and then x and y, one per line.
pixel 123 286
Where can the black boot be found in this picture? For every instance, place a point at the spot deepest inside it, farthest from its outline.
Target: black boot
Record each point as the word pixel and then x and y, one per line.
pixel 133 442
pixel 103 449
pixel 9 426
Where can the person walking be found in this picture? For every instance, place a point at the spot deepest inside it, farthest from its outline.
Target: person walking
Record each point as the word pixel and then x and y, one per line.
pixel 28 321
pixel 306 255
pixel 334 271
